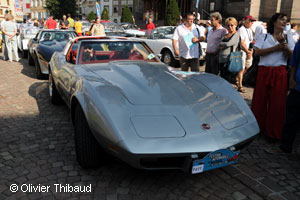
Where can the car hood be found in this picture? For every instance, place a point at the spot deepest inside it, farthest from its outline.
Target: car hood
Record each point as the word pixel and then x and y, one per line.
pixel 144 83
pixel 47 48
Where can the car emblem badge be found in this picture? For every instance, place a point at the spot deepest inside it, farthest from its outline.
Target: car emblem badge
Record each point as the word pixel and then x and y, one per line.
pixel 205 126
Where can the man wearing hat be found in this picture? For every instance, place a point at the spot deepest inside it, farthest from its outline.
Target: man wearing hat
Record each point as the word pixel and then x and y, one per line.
pixel 247 38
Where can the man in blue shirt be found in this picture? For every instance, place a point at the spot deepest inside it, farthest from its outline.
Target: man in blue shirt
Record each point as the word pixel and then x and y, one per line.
pixel 292 120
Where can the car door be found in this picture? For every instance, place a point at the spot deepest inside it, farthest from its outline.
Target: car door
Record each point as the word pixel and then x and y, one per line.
pixel 67 74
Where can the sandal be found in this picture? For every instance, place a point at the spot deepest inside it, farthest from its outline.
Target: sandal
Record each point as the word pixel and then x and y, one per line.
pixel 241 90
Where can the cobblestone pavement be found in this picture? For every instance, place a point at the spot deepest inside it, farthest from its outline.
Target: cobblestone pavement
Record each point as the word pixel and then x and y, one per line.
pixel 37 148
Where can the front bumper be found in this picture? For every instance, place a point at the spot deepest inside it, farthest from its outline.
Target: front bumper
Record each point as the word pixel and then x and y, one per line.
pixel 181 161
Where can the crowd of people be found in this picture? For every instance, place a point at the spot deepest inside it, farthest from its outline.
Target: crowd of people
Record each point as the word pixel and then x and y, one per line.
pixel 272 45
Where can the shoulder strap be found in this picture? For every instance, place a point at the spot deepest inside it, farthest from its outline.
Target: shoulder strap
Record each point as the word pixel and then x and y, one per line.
pixel 200 48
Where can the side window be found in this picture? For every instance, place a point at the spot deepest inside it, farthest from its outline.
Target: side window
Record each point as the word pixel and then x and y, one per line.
pixel 72 53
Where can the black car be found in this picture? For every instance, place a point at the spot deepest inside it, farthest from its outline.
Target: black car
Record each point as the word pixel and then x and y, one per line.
pixel 43 45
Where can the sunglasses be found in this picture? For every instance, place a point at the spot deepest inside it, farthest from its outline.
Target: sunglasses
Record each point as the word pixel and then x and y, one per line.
pixel 228 25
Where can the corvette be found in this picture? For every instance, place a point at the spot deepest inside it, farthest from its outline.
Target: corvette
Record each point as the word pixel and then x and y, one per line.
pixel 43 45
pixel 125 102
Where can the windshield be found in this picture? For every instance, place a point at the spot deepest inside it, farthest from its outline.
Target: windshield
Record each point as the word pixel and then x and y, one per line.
pixel 59 35
pixel 163 33
pixel 112 27
pixel 106 51
pixel 31 31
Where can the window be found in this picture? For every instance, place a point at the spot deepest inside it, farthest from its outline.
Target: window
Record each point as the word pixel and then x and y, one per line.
pixel 107 8
pixel 7 1
pixel 115 9
pixel 1 12
pixel 32 3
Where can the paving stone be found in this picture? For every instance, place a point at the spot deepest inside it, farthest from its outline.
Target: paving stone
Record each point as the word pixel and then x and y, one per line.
pixel 238 196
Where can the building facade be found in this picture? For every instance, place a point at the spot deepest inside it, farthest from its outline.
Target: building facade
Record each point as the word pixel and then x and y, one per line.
pixel 38 9
pixel 14 7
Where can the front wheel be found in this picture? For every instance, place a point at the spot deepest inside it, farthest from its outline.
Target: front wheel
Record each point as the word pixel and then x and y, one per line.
pixel 168 58
pixel 25 53
pixel 88 151
pixel 39 74
pixel 53 93
pixel 30 59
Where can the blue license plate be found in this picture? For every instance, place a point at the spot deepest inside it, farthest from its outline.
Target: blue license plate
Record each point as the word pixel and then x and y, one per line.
pixel 216 159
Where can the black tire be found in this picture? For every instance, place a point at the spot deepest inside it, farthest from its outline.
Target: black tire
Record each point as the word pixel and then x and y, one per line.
pixel 53 93
pixel 30 59
pixel 38 71
pixel 167 58
pixel 88 151
pixel 25 53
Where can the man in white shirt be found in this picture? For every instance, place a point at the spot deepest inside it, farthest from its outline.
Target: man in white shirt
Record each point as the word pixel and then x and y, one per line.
pixel 259 30
pixel 188 37
pixel 246 39
pixel 293 32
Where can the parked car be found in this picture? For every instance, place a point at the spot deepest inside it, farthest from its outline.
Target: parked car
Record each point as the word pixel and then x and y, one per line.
pixel 110 28
pixel 160 41
pixel 26 33
pixel 126 102
pixel 132 30
pixel 41 48
pixel 85 26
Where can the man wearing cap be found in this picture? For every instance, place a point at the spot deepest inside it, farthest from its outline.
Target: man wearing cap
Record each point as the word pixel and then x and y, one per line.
pixel 247 38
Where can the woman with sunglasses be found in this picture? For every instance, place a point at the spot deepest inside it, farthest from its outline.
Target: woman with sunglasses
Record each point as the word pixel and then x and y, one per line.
pixel 228 44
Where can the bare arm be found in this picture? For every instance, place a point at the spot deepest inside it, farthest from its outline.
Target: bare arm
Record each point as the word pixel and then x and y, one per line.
pixel 266 51
pixel 176 51
pixel 293 83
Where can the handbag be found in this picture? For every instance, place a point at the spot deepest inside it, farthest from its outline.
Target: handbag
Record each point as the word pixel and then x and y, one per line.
pixel 235 60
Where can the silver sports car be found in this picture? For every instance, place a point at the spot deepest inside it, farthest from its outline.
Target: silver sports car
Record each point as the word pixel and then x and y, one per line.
pixel 127 103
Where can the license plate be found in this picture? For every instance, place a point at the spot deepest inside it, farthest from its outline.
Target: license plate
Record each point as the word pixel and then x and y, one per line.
pixel 216 159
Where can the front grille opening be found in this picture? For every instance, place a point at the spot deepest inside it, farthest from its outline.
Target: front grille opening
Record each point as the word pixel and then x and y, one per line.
pixel 163 163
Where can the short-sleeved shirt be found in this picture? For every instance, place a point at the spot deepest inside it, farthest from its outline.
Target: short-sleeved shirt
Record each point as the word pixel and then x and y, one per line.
pixel 71 22
pixel 293 33
pixel 78 27
pixel 184 51
pixel 10 28
pixel 276 58
pixel 51 23
pixel 259 30
pixel 64 24
pixel 98 30
pixel 214 39
pixel 150 26
pixel 246 35
pixel 295 62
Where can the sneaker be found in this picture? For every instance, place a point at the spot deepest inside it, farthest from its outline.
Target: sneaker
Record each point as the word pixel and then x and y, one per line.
pixel 275 150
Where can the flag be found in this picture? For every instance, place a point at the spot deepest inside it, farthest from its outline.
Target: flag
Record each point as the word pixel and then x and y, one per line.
pixel 98 9
pixel 197 3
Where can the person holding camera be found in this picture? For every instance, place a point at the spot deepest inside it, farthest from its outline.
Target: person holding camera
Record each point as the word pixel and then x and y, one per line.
pixel 269 97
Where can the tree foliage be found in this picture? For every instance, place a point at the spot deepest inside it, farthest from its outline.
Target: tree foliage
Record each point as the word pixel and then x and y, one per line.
pixel 127 15
pixel 58 8
pixel 173 14
pixel 91 16
pixel 105 15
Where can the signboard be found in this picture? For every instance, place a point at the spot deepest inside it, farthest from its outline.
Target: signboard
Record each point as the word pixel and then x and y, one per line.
pixel 19 7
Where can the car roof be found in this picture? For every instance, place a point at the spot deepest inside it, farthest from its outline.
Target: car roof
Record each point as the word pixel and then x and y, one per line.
pixel 97 38
pixel 58 30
